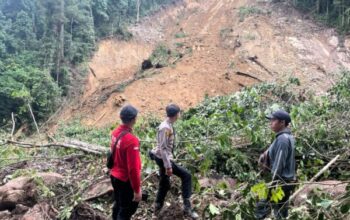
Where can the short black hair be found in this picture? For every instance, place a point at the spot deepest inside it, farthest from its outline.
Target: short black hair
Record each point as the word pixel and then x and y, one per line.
pixel 128 113
pixel 286 123
pixel 172 110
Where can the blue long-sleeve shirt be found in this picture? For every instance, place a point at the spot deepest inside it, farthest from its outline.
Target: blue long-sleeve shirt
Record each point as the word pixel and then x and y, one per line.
pixel 283 147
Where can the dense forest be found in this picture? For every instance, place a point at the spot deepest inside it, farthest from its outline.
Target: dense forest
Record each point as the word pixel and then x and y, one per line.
pixel 42 40
pixel 333 12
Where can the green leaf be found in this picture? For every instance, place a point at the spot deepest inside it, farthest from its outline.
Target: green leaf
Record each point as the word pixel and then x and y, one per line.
pixel 325 203
pixel 277 194
pixel 260 190
pixel 345 208
pixel 213 210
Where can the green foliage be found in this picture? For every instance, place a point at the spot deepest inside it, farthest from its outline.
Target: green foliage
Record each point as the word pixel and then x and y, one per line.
pixel 260 190
pixel 321 206
pixel 277 194
pixel 180 34
pixel 247 11
pixel 225 135
pixel 43 191
pixel 23 85
pixel 160 55
pixel 163 56
pixel 335 13
pixel 75 130
pixel 42 40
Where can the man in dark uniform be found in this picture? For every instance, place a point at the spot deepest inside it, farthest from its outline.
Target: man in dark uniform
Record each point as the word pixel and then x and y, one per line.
pixel 281 155
pixel 163 155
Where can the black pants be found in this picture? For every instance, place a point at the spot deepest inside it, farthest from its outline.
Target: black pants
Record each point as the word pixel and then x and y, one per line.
pixel 280 209
pixel 123 207
pixel 164 183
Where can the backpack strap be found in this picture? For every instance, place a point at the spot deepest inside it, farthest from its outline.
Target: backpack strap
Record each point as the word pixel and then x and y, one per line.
pixel 122 134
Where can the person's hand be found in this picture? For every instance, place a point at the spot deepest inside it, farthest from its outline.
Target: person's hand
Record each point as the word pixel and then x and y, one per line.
pixel 261 159
pixel 137 197
pixel 169 171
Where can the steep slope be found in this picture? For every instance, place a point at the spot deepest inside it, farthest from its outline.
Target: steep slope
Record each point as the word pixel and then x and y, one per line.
pixel 231 44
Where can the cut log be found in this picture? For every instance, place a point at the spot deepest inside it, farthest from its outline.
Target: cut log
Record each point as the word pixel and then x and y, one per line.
pixel 98 189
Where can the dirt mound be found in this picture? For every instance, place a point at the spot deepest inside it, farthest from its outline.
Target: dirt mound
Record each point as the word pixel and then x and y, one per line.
pixel 173 211
pixel 230 44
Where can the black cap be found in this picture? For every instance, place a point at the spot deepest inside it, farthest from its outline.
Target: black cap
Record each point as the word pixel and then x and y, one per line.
pixel 280 115
pixel 128 113
pixel 172 110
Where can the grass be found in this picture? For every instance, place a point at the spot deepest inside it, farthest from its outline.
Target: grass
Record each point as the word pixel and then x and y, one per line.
pixel 180 34
pixel 225 32
pixel 248 11
pixel 249 36
pixel 179 44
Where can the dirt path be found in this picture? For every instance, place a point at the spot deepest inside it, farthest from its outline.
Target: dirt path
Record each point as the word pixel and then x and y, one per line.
pixel 226 37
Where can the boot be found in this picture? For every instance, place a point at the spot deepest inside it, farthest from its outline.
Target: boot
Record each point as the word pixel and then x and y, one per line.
pixel 157 208
pixel 188 210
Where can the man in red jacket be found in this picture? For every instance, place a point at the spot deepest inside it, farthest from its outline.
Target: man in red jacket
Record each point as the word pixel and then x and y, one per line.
pixel 126 171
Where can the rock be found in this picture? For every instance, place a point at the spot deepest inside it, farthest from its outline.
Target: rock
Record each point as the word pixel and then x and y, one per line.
pixel 146 64
pixel 4 215
pixel 208 182
pixel 332 187
pixel 158 66
pixel 96 190
pixel 333 41
pixel 119 100
pixel 20 209
pixel 40 211
pixel 23 190
pixel 347 44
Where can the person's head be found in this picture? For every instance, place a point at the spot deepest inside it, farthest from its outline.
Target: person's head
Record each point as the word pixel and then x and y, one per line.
pixel 128 115
pixel 279 120
pixel 173 112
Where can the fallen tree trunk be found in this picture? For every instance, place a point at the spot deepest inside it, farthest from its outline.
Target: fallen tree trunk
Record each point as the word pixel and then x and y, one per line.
pixel 77 145
pixel 248 75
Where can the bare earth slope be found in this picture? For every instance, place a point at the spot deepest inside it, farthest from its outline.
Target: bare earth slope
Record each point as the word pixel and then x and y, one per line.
pixel 233 43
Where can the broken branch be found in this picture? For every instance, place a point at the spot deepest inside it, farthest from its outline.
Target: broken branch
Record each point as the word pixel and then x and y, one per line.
pixel 324 169
pixel 248 75
pixel 13 125
pixel 88 148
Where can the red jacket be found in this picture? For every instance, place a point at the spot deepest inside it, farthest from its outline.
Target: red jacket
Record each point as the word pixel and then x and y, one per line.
pixel 127 160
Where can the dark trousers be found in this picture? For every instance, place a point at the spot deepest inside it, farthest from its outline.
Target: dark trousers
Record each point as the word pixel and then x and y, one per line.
pixel 123 207
pixel 164 183
pixel 280 209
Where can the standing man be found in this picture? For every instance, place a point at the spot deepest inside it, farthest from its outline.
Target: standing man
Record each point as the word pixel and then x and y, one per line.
pixel 126 171
pixel 281 156
pixel 163 155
